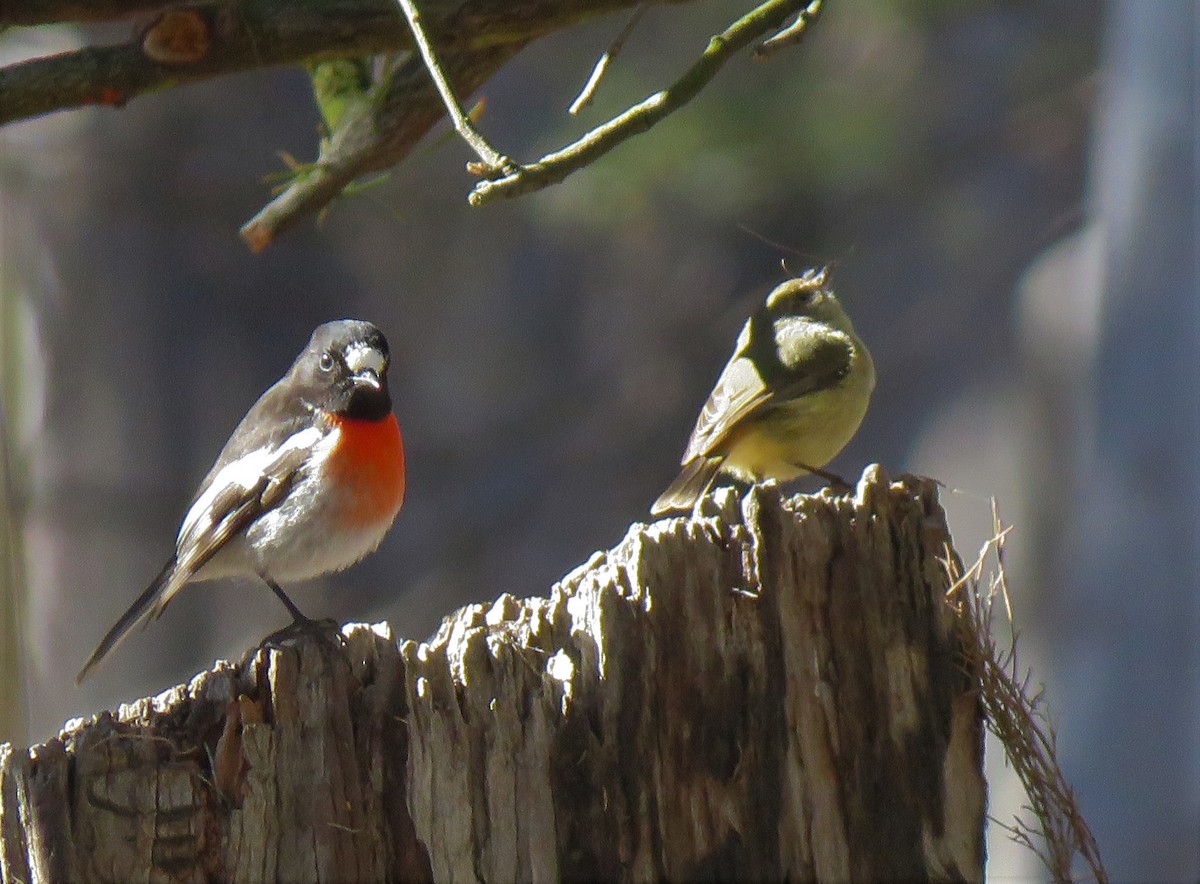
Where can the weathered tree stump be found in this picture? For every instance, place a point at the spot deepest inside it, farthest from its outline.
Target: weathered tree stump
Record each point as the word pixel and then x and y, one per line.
pixel 772 690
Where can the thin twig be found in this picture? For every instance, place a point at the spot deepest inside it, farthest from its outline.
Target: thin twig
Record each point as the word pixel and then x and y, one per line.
pixel 643 116
pixel 589 88
pixel 492 159
pixel 792 34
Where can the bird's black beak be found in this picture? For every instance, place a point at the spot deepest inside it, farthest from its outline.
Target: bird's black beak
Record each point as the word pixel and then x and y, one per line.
pixel 368 398
pixel 367 379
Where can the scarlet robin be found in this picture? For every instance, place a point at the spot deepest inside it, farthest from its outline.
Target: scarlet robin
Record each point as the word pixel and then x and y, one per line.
pixel 309 482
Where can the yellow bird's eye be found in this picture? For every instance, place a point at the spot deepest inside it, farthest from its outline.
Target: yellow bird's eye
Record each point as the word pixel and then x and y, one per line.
pixel 806 298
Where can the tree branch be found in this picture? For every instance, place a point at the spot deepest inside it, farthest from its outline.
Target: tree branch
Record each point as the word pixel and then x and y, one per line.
pixel 242 36
pixel 584 98
pixel 556 166
pixel 45 12
pixel 408 107
pixel 793 33
pixel 462 124
pixel 254 34
pixel 474 39
pixel 413 105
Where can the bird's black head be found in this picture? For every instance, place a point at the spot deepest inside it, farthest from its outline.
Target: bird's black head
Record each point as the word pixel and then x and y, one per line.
pixel 343 370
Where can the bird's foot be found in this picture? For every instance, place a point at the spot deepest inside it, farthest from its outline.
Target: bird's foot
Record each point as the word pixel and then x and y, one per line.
pixel 325 629
pixel 835 481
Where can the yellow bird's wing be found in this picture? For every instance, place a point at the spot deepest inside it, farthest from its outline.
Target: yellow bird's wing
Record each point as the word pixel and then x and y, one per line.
pixel 757 378
pixel 739 391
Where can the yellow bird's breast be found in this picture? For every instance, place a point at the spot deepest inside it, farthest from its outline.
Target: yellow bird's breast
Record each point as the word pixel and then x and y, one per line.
pixel 811 429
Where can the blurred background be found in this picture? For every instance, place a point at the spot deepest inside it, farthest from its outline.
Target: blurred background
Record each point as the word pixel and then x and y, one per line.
pixel 1005 192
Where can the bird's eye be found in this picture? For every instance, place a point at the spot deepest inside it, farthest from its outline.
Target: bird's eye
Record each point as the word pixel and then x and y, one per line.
pixel 325 363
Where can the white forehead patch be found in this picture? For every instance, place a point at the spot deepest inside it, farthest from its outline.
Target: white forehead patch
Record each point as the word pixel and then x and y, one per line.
pixel 363 356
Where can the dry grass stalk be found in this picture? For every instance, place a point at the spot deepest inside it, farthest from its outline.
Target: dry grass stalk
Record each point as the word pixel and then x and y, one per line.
pixel 1014 712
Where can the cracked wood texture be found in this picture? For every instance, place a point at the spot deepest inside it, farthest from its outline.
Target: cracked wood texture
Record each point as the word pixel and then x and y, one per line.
pixel 769 689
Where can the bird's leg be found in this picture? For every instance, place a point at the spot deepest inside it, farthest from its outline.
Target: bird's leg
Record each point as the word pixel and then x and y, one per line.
pixel 297 614
pixel 300 624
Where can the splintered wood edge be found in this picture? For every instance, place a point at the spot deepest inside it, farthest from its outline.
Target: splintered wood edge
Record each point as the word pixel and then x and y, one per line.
pixel 226 680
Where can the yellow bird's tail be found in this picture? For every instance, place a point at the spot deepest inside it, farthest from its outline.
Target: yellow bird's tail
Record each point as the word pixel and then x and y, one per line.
pixel 689 486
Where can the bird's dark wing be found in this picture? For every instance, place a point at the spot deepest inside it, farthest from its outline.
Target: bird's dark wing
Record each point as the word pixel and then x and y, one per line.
pixel 242 491
pixel 250 476
pixel 237 494
pixel 279 413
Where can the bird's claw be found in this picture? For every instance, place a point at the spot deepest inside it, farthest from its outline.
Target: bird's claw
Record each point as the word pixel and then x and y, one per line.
pixel 324 628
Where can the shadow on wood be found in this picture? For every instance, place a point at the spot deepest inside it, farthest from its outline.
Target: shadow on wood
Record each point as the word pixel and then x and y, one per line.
pixel 772 689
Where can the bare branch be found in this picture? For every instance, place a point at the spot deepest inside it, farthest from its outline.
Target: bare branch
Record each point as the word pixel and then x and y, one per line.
pixel 243 36
pixel 44 12
pixel 254 34
pixel 593 83
pixel 491 157
pixel 793 33
pixel 474 39
pixel 556 166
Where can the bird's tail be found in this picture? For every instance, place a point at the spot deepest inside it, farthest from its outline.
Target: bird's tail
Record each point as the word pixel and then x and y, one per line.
pixel 689 486
pixel 149 604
